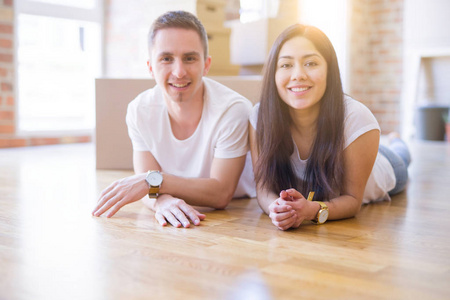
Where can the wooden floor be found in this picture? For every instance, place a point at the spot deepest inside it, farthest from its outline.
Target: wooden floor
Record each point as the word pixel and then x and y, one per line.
pixel 51 247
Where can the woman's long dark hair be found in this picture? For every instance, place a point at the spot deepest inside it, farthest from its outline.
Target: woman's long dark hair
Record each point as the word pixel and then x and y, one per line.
pixel 324 170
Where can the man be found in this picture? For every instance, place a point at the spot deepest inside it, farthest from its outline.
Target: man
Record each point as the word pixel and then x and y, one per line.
pixel 189 133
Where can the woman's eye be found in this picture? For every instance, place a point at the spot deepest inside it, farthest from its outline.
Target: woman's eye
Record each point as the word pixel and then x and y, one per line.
pixel 311 64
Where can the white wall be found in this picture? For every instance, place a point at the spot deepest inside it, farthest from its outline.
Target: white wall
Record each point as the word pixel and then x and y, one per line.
pixel 427 34
pixel 427 28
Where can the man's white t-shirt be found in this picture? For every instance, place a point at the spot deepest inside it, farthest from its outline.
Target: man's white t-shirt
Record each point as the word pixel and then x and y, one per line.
pixel 221 133
pixel 358 120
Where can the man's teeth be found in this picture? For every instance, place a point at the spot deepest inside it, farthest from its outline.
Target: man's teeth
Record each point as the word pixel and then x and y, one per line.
pixel 299 89
pixel 179 85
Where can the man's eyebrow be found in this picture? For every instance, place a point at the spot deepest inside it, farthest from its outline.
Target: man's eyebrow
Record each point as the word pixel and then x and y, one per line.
pixel 195 53
pixel 304 56
pixel 164 53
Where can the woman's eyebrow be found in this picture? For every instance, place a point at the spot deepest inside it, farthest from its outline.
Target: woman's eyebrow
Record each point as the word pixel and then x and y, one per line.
pixel 304 56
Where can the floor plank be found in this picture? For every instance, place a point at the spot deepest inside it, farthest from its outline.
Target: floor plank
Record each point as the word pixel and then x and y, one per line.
pixel 51 247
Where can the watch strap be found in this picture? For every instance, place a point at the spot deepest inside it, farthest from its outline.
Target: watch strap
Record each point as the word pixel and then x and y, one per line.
pixel 153 192
pixel 323 206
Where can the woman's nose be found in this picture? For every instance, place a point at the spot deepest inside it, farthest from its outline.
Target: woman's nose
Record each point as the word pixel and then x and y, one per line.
pixel 298 73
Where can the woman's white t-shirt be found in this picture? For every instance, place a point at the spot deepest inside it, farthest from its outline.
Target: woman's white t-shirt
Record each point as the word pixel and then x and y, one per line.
pixel 358 120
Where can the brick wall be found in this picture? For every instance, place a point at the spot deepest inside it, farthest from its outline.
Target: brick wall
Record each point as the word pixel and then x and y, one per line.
pixel 8 103
pixel 7 112
pixel 376 58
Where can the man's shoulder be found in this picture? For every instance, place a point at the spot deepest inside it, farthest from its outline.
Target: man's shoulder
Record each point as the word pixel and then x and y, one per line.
pixel 148 97
pixel 224 96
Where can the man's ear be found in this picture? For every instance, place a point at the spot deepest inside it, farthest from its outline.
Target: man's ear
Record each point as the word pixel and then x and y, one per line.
pixel 150 69
pixel 207 65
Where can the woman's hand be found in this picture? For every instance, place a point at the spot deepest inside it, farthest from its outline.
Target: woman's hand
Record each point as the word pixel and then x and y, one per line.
pixel 291 209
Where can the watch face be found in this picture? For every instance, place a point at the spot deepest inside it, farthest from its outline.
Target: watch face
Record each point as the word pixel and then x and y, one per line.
pixel 154 178
pixel 323 216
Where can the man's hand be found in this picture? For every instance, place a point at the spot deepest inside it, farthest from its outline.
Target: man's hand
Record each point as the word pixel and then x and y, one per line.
pixel 120 193
pixel 176 211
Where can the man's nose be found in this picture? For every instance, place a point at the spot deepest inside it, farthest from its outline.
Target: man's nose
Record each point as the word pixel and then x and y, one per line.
pixel 179 69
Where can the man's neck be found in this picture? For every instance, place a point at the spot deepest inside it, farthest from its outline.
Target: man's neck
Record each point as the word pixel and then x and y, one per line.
pixel 185 117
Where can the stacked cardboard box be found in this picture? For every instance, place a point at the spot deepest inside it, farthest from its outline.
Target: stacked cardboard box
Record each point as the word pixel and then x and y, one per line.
pixel 212 15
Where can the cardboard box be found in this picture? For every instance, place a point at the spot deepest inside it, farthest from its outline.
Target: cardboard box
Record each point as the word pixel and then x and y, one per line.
pixel 221 70
pixel 211 12
pixel 113 146
pixel 219 46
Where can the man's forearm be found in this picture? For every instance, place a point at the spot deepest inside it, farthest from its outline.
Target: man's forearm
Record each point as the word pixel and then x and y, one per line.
pixel 208 192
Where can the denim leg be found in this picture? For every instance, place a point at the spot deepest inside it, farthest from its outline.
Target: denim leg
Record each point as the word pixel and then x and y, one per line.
pixel 399 146
pixel 399 161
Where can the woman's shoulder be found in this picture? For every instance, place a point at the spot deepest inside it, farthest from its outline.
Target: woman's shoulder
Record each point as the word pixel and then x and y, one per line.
pixel 358 120
pixel 353 105
pixel 356 109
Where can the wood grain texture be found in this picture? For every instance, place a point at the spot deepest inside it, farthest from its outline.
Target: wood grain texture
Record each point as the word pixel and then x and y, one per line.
pixel 51 247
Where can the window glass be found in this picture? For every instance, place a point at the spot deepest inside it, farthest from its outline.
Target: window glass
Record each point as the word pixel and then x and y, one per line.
pixel 58 60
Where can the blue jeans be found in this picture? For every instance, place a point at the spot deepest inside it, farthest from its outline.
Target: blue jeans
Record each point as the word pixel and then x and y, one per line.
pixel 398 155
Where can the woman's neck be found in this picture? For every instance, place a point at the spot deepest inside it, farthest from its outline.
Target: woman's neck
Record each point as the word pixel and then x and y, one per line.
pixel 304 130
pixel 304 121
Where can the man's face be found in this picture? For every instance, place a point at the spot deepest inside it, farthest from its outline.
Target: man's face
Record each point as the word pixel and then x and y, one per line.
pixel 177 64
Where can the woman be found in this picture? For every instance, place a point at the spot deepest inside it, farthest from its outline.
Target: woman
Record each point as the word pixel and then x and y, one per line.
pixel 307 136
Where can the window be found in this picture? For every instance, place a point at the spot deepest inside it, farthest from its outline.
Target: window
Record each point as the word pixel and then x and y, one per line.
pixel 334 22
pixel 58 58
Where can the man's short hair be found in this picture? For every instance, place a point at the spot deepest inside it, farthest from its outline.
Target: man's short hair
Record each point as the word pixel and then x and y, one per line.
pixel 179 19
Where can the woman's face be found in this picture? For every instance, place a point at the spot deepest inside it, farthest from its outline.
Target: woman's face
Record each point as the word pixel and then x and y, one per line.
pixel 301 74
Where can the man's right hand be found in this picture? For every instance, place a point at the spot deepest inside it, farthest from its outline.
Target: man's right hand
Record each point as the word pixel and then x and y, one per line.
pixel 176 211
pixel 120 193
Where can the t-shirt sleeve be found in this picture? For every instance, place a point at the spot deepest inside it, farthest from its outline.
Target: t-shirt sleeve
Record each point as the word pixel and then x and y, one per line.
pixel 254 116
pixel 133 130
pixel 359 120
pixel 233 131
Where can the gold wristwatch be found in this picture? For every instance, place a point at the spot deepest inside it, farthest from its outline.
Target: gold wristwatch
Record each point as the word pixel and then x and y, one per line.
pixel 322 214
pixel 154 180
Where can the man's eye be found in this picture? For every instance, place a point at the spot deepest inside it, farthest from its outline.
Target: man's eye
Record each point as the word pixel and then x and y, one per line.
pixel 166 59
pixel 190 58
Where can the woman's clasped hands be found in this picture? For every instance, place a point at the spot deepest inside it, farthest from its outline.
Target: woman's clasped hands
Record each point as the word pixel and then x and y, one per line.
pixel 291 209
